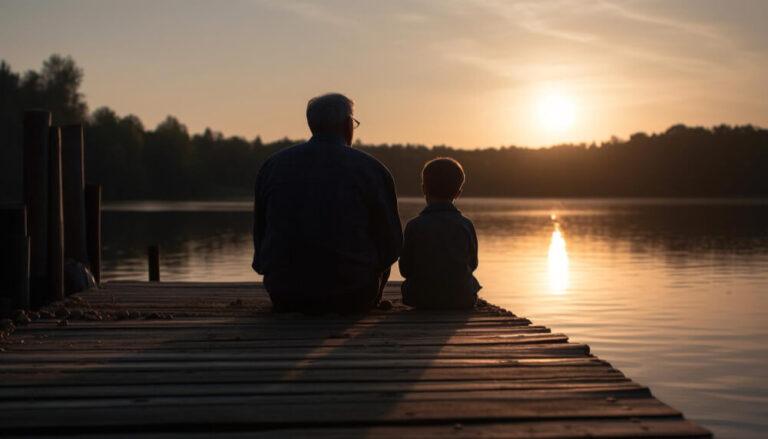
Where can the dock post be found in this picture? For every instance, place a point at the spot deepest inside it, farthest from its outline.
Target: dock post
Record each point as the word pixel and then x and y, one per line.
pixel 153 260
pixel 36 155
pixel 77 276
pixel 55 220
pixel 14 259
pixel 73 179
pixel 93 228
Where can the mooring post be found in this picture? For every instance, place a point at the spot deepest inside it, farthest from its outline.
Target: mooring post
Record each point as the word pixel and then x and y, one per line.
pixel 93 228
pixel 55 220
pixel 73 179
pixel 36 155
pixel 153 260
pixel 14 259
pixel 76 272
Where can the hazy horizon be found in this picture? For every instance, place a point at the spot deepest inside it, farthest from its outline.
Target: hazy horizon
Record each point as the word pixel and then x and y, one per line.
pixel 469 74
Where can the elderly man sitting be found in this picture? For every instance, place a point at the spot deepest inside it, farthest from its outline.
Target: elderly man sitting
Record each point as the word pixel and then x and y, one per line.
pixel 326 227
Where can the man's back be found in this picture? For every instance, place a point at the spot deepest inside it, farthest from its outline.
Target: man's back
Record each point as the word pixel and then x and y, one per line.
pixel 326 220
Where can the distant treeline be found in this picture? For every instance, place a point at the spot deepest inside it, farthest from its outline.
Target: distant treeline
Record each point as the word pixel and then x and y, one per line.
pixel 168 162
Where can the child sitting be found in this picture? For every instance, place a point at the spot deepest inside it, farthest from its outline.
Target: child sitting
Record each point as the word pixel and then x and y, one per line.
pixel 440 245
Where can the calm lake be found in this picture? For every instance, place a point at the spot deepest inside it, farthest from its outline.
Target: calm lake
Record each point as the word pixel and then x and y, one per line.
pixel 672 292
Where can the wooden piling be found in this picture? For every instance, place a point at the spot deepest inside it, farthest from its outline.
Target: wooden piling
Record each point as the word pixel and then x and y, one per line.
pixel 14 259
pixel 36 156
pixel 93 228
pixel 73 189
pixel 55 220
pixel 153 261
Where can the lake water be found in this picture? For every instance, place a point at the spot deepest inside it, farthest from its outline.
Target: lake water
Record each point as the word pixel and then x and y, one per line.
pixel 672 292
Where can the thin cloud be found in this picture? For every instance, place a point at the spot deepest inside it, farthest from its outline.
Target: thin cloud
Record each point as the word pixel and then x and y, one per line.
pixel 532 17
pixel 692 28
pixel 547 18
pixel 316 13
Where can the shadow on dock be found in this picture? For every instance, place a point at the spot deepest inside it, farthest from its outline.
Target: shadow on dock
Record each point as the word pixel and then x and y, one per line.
pixel 226 364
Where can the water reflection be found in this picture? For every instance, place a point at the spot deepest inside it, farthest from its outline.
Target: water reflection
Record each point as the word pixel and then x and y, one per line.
pixel 557 262
pixel 673 292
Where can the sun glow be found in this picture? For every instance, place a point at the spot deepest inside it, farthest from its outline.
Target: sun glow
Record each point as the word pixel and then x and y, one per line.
pixel 557 262
pixel 556 112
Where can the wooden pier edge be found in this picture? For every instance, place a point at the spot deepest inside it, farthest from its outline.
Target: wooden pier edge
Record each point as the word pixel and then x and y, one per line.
pixel 174 359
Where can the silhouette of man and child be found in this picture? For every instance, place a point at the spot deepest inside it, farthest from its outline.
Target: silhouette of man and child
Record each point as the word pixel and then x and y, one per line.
pixel 326 226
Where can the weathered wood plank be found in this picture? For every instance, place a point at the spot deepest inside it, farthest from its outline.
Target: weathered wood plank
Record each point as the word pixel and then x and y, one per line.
pixel 303 326
pixel 526 352
pixel 310 388
pixel 560 429
pixel 285 331
pixel 125 284
pixel 233 374
pixel 389 369
pixel 372 361
pixel 328 341
pixel 560 396
pixel 227 363
pixel 249 411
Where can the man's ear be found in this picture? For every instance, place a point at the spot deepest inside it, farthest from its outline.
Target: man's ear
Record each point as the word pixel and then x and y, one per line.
pixel 349 132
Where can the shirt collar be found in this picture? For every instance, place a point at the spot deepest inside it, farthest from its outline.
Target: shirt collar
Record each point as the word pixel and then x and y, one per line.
pixel 439 207
pixel 329 138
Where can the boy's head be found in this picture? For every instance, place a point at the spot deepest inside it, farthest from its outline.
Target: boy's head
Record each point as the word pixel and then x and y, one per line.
pixel 442 179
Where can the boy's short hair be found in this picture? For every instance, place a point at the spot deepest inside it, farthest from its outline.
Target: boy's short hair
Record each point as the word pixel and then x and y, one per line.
pixel 442 177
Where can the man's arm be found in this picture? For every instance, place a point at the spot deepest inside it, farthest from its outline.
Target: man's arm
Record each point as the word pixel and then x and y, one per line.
pixel 388 232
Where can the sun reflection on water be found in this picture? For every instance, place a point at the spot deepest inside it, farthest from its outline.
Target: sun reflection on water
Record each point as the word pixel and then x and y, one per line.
pixel 557 262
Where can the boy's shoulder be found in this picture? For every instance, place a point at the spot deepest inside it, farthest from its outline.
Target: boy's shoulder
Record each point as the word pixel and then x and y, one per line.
pixel 466 223
pixel 427 218
pixel 414 222
pixel 466 220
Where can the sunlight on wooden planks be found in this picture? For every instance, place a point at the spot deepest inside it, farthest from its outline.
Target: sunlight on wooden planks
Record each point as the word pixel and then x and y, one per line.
pixel 195 358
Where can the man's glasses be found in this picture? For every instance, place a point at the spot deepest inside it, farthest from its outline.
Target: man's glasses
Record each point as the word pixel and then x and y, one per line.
pixel 355 123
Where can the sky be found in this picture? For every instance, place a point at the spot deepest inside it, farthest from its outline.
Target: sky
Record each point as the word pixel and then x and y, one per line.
pixel 466 73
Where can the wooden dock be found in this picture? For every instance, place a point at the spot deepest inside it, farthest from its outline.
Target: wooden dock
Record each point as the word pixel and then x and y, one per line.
pixel 180 360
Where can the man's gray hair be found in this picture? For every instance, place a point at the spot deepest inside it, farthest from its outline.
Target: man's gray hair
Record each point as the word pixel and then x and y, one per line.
pixel 328 113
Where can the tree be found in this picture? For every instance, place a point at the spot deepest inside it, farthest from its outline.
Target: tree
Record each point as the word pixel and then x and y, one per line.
pixel 131 161
pixel 56 88
pixel 10 136
pixel 113 155
pixel 168 158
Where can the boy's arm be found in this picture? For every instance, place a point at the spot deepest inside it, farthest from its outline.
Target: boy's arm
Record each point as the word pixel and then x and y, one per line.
pixel 472 247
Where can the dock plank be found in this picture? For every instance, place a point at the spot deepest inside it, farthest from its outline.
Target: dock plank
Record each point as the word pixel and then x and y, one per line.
pixel 558 429
pixel 212 356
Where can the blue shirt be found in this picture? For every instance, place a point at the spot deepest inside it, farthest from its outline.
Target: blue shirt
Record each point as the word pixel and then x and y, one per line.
pixel 325 220
pixel 439 258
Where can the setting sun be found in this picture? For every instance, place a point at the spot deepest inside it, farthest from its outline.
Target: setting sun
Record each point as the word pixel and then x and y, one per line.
pixel 555 112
